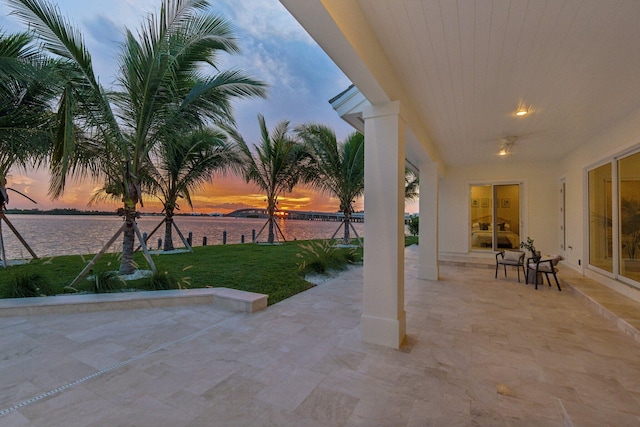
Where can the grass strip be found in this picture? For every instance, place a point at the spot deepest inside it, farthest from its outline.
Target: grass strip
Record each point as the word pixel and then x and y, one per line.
pixel 265 269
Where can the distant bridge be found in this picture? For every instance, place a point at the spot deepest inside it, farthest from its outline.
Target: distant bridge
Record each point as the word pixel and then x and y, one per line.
pixel 301 215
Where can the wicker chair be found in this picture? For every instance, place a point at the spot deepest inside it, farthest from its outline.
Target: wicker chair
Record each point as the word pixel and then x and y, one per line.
pixel 513 258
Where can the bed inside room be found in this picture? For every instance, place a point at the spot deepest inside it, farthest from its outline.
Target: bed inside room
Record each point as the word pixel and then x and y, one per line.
pixel 482 230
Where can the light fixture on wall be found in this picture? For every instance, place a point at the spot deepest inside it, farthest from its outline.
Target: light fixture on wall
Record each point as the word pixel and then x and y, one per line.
pixel 507 145
pixel 522 112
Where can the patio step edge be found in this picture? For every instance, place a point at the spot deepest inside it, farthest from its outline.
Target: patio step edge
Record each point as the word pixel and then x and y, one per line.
pixel 231 299
pixel 623 324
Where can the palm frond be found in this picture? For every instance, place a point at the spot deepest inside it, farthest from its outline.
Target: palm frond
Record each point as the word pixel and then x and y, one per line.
pixel 338 167
pixel 278 162
pixel 411 185
pixel 56 32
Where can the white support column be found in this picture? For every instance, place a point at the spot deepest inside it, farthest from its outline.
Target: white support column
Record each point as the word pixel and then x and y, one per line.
pixel 383 318
pixel 428 256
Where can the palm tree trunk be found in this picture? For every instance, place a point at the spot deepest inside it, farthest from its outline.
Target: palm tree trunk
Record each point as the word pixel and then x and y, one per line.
pixel 271 212
pixel 271 235
pixel 347 236
pixel 168 237
pixel 127 266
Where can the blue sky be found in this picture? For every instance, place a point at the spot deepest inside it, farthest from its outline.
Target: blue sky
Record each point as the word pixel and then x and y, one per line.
pixel 274 49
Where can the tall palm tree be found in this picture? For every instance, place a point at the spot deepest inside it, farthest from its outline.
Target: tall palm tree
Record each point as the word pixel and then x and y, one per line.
pixel 167 81
pixel 184 166
pixel 28 84
pixel 278 164
pixel 339 167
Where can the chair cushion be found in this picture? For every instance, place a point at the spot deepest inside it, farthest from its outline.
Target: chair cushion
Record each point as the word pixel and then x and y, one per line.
pixel 556 258
pixel 512 255
pixel 543 267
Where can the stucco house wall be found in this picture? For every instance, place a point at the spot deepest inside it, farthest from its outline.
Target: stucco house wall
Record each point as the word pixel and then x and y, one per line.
pixel 539 203
pixel 621 138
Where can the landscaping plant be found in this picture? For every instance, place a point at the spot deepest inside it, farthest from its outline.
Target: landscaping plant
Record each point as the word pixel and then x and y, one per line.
pixel 321 256
pixel 27 285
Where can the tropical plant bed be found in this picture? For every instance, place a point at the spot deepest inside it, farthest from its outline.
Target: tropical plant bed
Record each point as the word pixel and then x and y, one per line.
pixel 271 270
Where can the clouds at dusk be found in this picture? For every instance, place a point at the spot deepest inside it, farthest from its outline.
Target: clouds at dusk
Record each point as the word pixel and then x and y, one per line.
pixel 274 49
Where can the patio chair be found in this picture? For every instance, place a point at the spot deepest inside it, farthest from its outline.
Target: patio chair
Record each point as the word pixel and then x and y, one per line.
pixel 547 265
pixel 513 258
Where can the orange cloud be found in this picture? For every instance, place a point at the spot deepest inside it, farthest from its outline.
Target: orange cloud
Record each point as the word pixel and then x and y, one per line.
pixel 223 195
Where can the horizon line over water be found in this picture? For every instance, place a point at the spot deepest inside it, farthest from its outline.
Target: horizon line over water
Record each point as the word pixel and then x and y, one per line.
pixel 75 211
pixel 55 235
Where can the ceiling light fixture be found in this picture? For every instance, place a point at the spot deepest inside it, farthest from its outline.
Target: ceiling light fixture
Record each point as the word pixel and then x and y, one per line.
pixel 522 112
pixel 507 145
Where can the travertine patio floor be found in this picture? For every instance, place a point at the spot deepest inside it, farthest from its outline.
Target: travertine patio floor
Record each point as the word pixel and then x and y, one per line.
pixel 479 351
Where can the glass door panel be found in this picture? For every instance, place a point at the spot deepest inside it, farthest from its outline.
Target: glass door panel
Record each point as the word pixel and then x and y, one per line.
pixel 629 216
pixel 481 217
pixel 600 218
pixel 507 216
pixel 495 217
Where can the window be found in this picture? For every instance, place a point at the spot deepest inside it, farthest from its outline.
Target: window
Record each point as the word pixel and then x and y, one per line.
pixel 495 216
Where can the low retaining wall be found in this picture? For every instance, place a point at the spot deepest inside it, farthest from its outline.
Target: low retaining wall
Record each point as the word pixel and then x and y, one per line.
pixel 231 299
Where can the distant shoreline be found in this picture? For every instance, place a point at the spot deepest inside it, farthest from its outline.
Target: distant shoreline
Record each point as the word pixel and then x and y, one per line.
pixel 68 211
pixel 57 211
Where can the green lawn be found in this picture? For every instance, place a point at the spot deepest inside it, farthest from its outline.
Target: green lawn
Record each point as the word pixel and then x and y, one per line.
pixel 266 269
pixel 410 240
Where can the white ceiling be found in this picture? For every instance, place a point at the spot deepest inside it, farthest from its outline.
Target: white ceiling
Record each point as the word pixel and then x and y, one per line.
pixel 466 66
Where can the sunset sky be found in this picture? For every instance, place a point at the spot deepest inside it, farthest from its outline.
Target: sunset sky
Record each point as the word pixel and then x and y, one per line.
pixel 274 48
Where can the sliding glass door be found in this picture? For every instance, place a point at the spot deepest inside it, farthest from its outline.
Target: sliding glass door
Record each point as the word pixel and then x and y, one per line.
pixel 614 218
pixel 495 216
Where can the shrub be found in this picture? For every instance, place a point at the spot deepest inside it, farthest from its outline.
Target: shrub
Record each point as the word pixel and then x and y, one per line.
pixel 321 256
pixel 27 285
pixel 414 225
pixel 162 281
pixel 105 282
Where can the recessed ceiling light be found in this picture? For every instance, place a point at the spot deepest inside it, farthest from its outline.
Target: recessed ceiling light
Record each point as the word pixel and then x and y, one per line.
pixel 522 112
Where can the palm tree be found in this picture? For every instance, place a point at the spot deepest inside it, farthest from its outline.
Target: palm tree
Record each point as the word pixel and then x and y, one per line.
pixel 184 166
pixel 411 185
pixel 28 84
pixel 279 163
pixel 27 88
pixel 167 81
pixel 339 167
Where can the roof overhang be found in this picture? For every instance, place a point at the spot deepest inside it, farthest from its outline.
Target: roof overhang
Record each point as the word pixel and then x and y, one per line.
pixel 460 70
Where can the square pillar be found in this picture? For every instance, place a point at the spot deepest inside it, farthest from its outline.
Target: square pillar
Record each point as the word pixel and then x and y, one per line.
pixel 428 232
pixel 383 318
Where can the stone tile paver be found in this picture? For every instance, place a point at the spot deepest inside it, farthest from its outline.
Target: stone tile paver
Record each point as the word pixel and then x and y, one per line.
pixel 479 351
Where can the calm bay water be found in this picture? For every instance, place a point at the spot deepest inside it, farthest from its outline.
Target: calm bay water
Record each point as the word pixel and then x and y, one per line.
pixel 51 235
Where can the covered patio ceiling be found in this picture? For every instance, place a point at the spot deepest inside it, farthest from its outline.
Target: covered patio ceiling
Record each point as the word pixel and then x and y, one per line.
pixel 461 69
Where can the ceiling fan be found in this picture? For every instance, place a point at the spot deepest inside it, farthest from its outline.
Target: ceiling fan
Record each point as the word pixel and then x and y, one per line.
pixel 507 144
